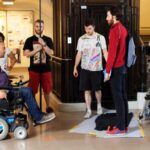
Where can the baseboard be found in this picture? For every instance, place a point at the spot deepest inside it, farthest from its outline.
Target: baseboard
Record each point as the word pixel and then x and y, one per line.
pixel 66 107
pixel 78 107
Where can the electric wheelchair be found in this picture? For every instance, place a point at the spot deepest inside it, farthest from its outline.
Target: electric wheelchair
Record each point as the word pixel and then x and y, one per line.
pixel 11 117
pixel 145 113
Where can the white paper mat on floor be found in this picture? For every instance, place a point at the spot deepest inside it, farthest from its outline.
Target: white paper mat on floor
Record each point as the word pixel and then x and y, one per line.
pixel 88 127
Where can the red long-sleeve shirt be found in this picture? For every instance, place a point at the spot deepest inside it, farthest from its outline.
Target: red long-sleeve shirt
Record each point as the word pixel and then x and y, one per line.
pixel 117 47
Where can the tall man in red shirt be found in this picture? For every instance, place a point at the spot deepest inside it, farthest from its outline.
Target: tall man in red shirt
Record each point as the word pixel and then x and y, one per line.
pixel 116 65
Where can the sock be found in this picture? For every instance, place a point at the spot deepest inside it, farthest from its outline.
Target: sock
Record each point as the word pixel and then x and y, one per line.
pixel 89 110
pixel 99 105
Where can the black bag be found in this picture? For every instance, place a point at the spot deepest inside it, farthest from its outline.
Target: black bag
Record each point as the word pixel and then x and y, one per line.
pixel 105 120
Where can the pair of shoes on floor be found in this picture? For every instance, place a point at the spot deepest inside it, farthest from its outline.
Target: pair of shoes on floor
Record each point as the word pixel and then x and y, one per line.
pixel 46 118
pixel 49 110
pixel 116 131
pixel 99 110
pixel 89 113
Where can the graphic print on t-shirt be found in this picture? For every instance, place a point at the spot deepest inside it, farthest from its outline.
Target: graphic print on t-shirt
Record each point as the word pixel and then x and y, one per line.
pixel 36 59
pixel 91 58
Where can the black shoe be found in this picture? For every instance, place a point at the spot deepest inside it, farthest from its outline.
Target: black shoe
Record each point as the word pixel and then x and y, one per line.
pixel 49 110
pixel 147 97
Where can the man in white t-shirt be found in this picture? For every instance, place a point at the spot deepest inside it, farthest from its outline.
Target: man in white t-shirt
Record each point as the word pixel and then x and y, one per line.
pixel 91 46
pixel 4 60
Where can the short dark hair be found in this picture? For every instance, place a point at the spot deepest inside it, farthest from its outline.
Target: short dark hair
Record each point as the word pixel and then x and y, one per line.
pixel 39 21
pixel 89 22
pixel 2 36
pixel 115 11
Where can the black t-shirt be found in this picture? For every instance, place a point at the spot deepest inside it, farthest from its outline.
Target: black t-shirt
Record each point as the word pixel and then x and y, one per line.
pixel 35 63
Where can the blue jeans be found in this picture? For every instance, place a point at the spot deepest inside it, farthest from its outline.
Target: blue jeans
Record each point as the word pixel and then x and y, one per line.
pixel 27 95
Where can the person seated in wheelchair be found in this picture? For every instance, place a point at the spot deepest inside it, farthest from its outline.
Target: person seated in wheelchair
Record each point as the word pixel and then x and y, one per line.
pixel 26 94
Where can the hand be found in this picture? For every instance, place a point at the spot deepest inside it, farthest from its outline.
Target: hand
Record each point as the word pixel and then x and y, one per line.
pixel 41 41
pixel 37 47
pixel 8 68
pixel 75 72
pixel 107 77
pixel 3 94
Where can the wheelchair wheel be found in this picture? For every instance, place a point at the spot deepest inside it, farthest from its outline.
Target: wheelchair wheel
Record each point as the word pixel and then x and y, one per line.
pixel 20 133
pixel 4 129
pixel 141 118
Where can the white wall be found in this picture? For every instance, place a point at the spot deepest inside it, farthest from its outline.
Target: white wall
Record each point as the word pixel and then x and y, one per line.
pixel 47 16
pixel 47 11
pixel 144 17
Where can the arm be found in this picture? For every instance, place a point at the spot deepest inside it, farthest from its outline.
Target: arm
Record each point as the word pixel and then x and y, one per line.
pixel 46 48
pixel 105 53
pixel 3 94
pixel 104 47
pixel 29 53
pixel 77 61
pixel 112 50
pixel 13 60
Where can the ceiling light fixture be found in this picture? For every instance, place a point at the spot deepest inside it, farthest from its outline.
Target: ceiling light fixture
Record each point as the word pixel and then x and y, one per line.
pixel 8 2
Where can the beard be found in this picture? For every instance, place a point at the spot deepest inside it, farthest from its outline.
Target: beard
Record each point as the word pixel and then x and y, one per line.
pixel 110 22
pixel 39 32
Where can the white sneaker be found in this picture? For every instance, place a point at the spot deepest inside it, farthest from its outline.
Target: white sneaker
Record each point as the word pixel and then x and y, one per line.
pixel 46 118
pixel 99 111
pixel 88 115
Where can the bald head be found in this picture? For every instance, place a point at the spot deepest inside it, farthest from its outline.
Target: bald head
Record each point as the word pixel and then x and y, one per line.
pixel 2 49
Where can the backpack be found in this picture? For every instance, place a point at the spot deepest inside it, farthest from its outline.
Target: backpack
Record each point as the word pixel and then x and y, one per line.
pixel 130 51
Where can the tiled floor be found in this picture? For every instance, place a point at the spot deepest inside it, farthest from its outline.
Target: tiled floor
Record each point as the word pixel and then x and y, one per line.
pixel 55 136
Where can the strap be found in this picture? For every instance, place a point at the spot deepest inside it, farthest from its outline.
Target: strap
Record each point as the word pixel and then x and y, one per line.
pixel 98 44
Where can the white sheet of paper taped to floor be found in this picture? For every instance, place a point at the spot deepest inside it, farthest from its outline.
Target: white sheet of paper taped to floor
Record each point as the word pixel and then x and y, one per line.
pixel 88 127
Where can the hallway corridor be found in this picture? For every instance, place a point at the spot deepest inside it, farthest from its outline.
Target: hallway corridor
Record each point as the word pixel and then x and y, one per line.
pixel 55 136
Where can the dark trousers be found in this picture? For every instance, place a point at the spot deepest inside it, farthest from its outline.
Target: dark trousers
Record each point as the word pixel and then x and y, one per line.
pixel 119 93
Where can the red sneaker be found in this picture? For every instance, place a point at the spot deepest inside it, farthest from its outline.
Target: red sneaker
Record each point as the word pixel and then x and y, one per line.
pixel 126 129
pixel 115 131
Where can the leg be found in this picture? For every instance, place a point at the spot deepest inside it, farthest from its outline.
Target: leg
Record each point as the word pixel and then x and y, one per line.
pixel 34 78
pixel 96 82
pixel 85 86
pixel 125 101
pixel 88 100
pixel 29 99
pixel 98 95
pixel 117 88
pixel 47 99
pixel 34 110
pixel 47 87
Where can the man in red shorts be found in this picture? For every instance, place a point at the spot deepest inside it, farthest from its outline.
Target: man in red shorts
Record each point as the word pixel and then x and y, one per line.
pixel 39 48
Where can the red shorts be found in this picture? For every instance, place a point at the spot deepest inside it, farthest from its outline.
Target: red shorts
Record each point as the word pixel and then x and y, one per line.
pixel 46 79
